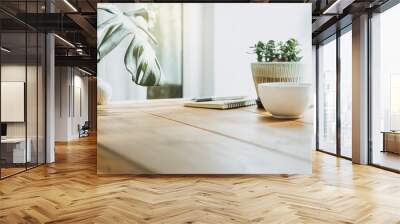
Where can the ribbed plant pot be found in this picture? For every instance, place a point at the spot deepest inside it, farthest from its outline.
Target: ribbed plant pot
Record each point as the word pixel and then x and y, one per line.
pixel 266 72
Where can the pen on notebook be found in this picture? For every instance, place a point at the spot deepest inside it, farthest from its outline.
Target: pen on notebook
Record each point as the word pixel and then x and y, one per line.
pixel 205 99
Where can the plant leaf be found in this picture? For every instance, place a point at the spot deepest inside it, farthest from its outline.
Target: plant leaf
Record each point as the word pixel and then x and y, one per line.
pixel 115 29
pixel 138 12
pixel 139 23
pixel 140 59
pixel 110 8
pixel 142 63
pixel 103 28
pixel 113 34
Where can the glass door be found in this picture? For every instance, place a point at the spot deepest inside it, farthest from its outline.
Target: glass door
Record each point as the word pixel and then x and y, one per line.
pixel 385 90
pixel 327 96
pixel 14 154
pixel 22 78
pixel 346 93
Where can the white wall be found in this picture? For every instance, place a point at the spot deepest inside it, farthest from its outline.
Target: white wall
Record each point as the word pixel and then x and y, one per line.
pixel 70 83
pixel 238 26
pixel 61 103
pixel 223 33
pixel 81 103
pixel 198 44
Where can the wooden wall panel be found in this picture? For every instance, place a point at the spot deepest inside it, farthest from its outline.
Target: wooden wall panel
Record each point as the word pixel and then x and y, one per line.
pixel 92 82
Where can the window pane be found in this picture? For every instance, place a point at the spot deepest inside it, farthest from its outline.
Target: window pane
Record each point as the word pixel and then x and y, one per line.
pixel 31 98
pixel 346 93
pixel 386 89
pixel 14 153
pixel 327 97
pixel 32 88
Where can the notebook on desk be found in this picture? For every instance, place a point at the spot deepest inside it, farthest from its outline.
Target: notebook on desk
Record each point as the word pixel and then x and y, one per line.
pixel 222 104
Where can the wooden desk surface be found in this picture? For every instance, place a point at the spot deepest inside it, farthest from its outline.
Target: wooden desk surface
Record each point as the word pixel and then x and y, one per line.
pixel 163 137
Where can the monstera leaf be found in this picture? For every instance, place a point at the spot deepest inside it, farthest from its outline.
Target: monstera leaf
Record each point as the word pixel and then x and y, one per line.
pixel 113 32
pixel 140 58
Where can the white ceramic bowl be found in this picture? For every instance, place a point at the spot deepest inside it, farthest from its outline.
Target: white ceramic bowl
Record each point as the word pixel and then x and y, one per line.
pixel 284 99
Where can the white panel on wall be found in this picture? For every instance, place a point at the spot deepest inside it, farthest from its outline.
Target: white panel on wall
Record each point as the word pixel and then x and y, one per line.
pixel 12 101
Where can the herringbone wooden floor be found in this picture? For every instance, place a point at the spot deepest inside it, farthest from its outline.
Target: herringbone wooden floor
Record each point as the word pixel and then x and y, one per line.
pixel 69 191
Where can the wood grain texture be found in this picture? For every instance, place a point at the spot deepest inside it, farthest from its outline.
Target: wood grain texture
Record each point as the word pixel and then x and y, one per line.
pixel 164 137
pixel 70 191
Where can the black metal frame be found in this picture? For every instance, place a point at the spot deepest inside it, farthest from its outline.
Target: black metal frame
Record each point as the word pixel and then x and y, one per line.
pixel 338 96
pixel 44 77
pixel 369 90
pixel 317 97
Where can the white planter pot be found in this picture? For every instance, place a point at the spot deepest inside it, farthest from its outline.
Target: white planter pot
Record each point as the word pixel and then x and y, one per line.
pixel 267 72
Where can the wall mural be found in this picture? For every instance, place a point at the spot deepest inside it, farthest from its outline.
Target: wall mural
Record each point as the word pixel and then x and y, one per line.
pixel 145 50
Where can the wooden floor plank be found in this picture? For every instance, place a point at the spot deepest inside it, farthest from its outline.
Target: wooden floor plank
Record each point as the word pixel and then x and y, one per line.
pixel 70 191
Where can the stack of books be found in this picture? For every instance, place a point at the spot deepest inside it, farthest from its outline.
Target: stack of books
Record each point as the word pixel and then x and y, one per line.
pixel 221 103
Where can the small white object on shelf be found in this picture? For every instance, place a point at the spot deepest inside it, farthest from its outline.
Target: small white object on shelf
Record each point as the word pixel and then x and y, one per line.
pixel 285 100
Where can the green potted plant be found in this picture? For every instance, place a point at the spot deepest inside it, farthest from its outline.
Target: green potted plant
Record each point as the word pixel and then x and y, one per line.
pixel 277 62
